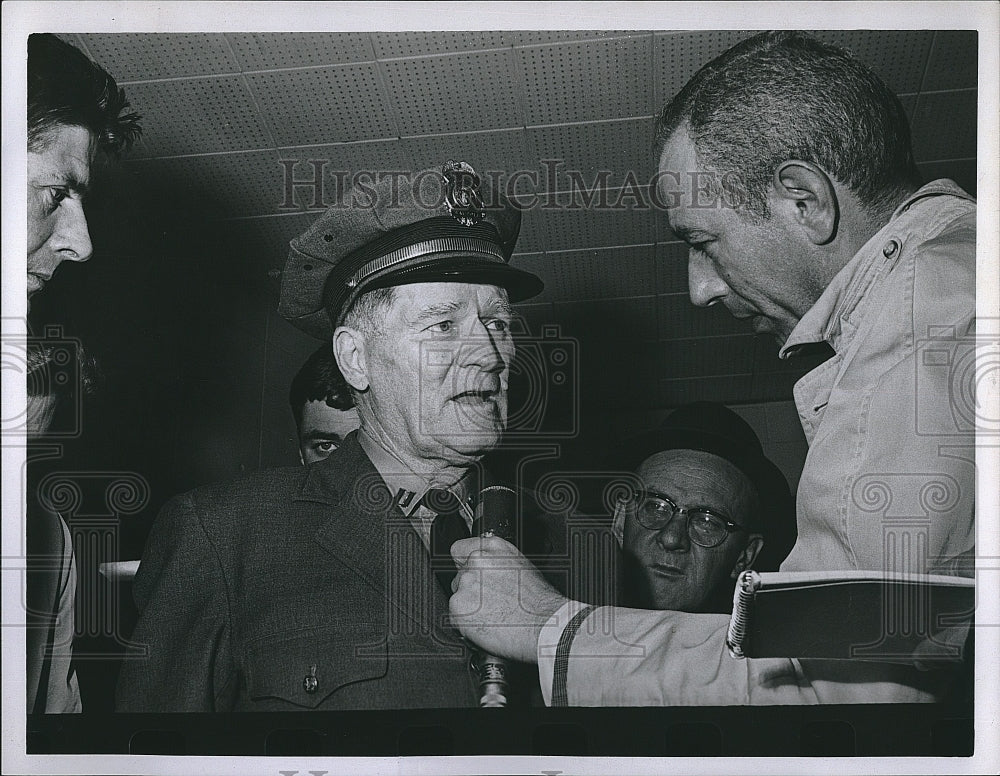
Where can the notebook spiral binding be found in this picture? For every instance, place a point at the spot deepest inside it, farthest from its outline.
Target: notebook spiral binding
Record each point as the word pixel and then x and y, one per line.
pixel 746 587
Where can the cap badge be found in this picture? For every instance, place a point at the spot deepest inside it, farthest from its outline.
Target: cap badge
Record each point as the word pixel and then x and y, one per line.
pixel 461 194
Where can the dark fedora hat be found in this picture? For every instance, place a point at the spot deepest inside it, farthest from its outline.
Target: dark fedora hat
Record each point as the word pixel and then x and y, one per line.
pixel 437 225
pixel 714 428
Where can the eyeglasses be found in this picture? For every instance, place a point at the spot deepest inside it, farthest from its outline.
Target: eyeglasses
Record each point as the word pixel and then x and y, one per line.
pixel 704 527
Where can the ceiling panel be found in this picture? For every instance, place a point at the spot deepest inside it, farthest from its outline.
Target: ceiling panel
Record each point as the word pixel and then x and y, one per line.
pixel 671 268
pixel 225 185
pixel 706 356
pixel 277 50
pixel 268 237
pixel 594 274
pixel 728 389
pixel 535 315
pixel 899 56
pixel 962 171
pixel 340 164
pixel 563 227
pixel 503 152
pixel 541 37
pixel 680 319
pixel 578 152
pixel 618 373
pixel 953 61
pixel 137 57
pixel 679 55
pixel 607 322
pixel 228 108
pixel 325 104
pixel 944 126
pixel 199 115
pixel 454 93
pixel 604 79
pixel 395 45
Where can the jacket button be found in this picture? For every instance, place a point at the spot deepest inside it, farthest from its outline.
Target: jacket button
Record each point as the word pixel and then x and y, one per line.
pixel 309 682
pixel 890 249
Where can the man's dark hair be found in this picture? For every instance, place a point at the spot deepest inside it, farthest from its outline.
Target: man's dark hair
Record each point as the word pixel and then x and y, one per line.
pixel 319 379
pixel 65 88
pixel 785 95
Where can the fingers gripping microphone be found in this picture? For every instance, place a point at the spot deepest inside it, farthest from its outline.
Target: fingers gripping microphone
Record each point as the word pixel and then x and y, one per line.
pixel 495 516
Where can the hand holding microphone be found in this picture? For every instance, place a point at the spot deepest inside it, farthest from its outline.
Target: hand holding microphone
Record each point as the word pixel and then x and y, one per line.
pixel 501 600
pixel 494 517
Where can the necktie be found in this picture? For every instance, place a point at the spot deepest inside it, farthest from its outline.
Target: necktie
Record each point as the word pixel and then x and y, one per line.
pixel 448 527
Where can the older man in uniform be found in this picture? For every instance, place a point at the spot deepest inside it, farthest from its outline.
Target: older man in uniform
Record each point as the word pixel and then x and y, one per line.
pixel 326 587
pixel 820 234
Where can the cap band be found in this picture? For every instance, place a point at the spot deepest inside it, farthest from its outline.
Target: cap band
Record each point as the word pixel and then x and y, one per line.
pixel 469 245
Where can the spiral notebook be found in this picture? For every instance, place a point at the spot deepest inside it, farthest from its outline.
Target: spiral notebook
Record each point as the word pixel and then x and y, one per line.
pixel 853 615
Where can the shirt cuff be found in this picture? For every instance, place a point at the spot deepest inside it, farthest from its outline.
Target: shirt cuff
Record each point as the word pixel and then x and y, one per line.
pixel 550 639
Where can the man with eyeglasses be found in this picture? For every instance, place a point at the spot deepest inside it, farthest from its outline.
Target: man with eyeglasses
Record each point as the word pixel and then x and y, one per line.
pixel 710 506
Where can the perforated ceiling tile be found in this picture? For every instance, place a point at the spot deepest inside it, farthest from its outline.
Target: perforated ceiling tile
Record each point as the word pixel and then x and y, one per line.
pixel 953 62
pixel 323 105
pixel 729 389
pixel 275 50
pixel 597 274
pixel 962 171
pixel 533 318
pixel 142 56
pixel 944 126
pixel 604 79
pixel 270 236
pixel 224 185
pixel 503 152
pixel 608 322
pixel 680 319
pixel 581 154
pixel 393 45
pixel 618 373
pixel 707 356
pixel 909 102
pixel 536 37
pixel 671 268
pixel 772 386
pixel 72 39
pixel 679 55
pixel 563 228
pixel 197 116
pixel 899 56
pixel 340 166
pixel 453 93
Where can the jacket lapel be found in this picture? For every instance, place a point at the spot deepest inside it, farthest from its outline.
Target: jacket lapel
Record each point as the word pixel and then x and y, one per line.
pixel 367 532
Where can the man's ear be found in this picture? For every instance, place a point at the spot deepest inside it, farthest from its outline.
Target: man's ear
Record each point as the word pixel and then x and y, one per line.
pixel 749 554
pixel 811 199
pixel 350 350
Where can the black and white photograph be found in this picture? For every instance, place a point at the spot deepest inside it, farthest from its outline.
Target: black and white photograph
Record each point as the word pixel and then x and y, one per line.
pixel 470 388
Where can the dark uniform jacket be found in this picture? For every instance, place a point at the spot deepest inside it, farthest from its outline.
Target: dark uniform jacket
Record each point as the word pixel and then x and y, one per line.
pixel 293 589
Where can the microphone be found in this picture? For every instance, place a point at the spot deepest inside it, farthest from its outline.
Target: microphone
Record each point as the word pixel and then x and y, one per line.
pixel 494 517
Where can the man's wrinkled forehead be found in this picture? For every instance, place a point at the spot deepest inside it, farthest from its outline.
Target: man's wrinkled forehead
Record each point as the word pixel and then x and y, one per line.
pixel 431 301
pixel 60 154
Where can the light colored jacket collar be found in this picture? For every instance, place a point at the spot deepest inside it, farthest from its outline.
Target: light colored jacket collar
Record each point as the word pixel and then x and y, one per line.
pixel 829 320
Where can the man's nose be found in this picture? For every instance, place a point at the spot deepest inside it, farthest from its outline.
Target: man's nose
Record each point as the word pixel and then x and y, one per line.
pixel 704 284
pixel 487 350
pixel 673 536
pixel 72 237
